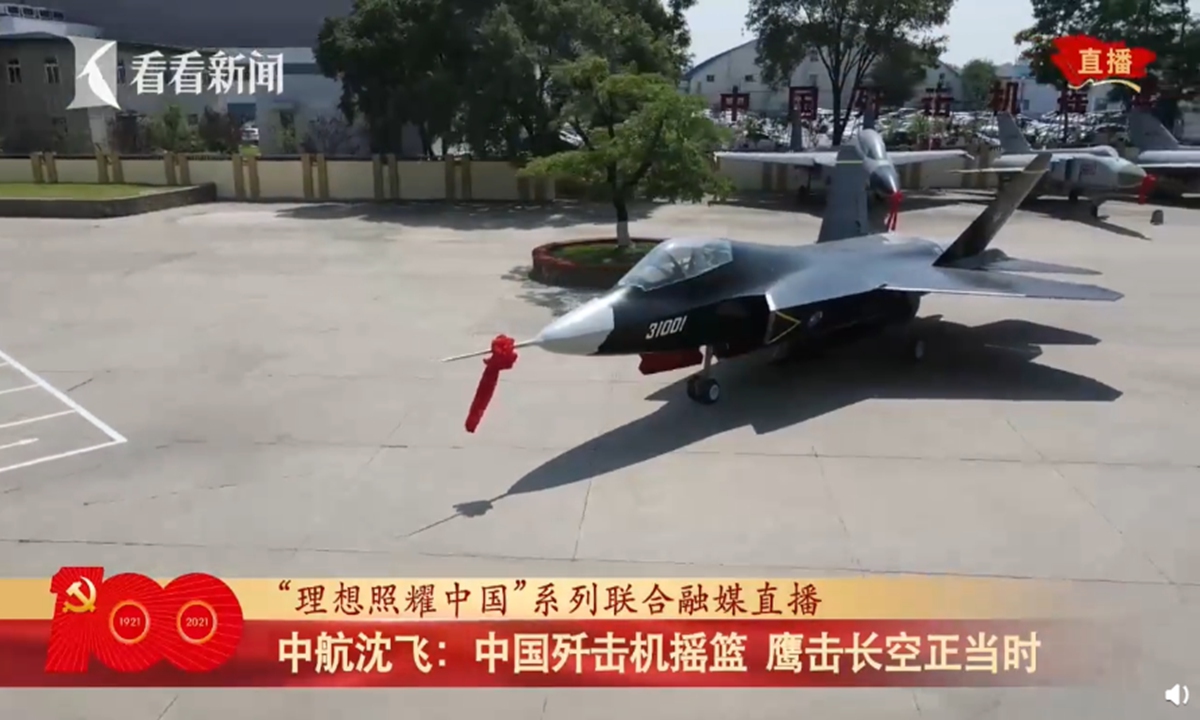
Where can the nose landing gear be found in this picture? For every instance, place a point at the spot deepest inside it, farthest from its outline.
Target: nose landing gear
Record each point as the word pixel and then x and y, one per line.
pixel 701 387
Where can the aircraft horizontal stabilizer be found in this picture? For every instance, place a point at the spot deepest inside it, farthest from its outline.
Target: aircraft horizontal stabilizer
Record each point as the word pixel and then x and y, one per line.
pixel 955 281
pixel 997 260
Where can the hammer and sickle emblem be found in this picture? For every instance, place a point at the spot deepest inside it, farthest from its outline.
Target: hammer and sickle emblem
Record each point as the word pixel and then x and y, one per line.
pixel 87 601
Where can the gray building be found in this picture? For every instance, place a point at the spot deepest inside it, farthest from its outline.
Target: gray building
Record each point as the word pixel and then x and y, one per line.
pixel 211 23
pixel 37 83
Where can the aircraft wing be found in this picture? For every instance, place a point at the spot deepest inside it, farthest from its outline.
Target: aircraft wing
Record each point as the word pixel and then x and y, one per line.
pixel 955 281
pixel 796 159
pixel 997 170
pixel 997 261
pixel 913 157
pixel 1170 166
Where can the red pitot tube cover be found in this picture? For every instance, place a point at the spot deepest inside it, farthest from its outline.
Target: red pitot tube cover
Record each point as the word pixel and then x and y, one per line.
pixel 503 357
pixel 893 217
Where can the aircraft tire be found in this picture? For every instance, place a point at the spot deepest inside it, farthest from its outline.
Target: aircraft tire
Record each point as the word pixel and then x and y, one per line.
pixel 1073 196
pixel 705 391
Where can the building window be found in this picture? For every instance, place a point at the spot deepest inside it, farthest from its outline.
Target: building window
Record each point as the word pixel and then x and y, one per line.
pixel 749 78
pixel 53 77
pixel 710 78
pixel 14 72
pixel 120 72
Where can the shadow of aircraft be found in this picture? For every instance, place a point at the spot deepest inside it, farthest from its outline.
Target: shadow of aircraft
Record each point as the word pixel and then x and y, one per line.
pixel 989 362
pixel 1066 211
pixel 471 215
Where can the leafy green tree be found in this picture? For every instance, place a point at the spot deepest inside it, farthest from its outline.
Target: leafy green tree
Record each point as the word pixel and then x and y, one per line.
pixel 170 131
pixel 899 72
pixel 639 137
pixel 978 77
pixel 1164 26
pixel 480 72
pixel 848 37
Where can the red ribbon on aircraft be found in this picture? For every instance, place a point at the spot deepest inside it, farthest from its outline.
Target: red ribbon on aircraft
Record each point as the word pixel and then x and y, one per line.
pixel 1146 188
pixel 893 217
pixel 503 357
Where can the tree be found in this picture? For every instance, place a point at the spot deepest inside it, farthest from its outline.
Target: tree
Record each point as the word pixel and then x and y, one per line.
pixel 898 73
pixel 480 72
pixel 171 132
pixel 330 136
pixel 220 132
pixel 848 37
pixel 978 77
pixel 1158 25
pixel 638 136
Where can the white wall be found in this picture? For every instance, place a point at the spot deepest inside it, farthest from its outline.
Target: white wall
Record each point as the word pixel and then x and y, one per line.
pixel 1039 99
pixel 738 67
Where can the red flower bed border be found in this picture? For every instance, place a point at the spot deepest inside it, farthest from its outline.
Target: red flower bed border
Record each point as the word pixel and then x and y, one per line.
pixel 551 269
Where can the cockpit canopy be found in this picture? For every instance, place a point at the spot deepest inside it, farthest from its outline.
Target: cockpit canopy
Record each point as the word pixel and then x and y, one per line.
pixel 676 260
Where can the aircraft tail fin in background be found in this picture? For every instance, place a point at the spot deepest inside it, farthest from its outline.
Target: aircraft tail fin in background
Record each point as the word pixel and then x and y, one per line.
pixel 1147 133
pixel 1012 140
pixel 980 233
pixel 846 201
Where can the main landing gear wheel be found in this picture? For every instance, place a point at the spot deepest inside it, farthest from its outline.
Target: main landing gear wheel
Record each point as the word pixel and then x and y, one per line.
pixel 1094 211
pixel 705 391
pixel 1073 196
pixel 700 387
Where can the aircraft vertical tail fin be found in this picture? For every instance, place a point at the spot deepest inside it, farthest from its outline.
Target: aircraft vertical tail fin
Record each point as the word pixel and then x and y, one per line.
pixel 846 201
pixel 980 233
pixel 1012 140
pixel 1147 133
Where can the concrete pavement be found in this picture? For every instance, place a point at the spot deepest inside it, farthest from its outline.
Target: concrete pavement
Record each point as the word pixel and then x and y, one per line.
pixel 274 370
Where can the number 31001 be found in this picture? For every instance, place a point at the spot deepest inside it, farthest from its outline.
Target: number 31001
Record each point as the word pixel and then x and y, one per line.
pixel 664 328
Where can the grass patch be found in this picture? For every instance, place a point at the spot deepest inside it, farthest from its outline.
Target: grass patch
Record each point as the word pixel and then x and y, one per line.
pixel 606 254
pixel 71 191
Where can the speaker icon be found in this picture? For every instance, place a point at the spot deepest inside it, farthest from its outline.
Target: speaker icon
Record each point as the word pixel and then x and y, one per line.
pixel 1177 695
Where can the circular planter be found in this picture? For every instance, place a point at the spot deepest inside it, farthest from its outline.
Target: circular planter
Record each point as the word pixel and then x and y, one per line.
pixel 550 267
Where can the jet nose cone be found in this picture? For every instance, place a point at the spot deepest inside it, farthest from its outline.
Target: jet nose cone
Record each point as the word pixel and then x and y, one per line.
pixel 581 331
pixel 885 181
pixel 1131 175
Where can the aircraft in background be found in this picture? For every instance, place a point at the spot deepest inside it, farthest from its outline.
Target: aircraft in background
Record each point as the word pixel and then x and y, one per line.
pixel 689 301
pixel 1096 172
pixel 1162 155
pixel 882 178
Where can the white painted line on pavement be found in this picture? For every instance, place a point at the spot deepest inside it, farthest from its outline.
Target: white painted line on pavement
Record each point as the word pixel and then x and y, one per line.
pixel 19 443
pixel 19 389
pixel 115 436
pixel 39 418
pixel 60 456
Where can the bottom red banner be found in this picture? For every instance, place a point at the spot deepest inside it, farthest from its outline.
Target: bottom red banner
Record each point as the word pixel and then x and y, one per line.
pixel 603 653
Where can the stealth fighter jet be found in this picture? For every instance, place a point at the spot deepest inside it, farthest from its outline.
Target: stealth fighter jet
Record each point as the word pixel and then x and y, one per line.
pixel 1162 155
pixel 1093 172
pixel 730 298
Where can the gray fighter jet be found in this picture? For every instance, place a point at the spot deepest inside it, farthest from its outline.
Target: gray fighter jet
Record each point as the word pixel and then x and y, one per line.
pixel 881 175
pixel 1094 172
pixel 1161 155
pixel 732 298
